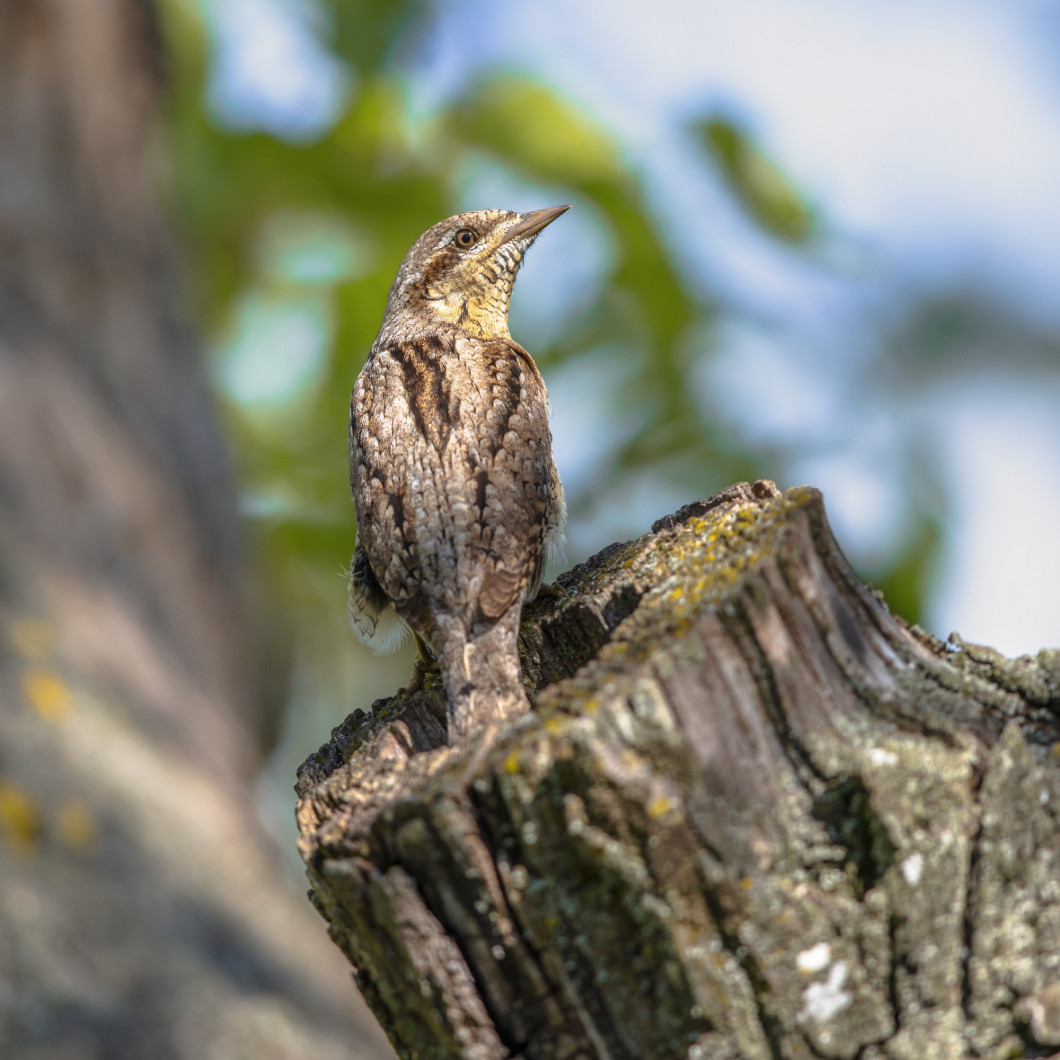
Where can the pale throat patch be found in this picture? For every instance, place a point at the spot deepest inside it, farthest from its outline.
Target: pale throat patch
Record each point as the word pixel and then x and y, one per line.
pixel 481 311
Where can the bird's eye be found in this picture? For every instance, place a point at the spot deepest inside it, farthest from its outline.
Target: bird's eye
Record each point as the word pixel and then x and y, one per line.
pixel 465 237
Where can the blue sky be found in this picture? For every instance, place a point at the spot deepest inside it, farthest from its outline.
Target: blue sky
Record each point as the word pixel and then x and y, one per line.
pixel 929 135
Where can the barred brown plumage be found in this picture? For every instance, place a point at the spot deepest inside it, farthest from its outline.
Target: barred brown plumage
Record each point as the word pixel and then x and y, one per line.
pixel 451 468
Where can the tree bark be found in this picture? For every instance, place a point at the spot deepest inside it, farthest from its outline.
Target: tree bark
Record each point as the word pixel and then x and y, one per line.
pixel 143 909
pixel 752 815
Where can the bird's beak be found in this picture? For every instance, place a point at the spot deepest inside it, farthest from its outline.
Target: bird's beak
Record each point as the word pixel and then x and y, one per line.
pixel 529 224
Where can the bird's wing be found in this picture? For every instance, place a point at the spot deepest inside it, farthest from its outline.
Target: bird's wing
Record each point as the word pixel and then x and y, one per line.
pixel 385 443
pixel 507 457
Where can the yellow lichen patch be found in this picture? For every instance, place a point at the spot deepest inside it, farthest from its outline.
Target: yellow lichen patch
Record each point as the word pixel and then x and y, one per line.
pixel 47 693
pixel 684 576
pixel 32 638
pixel 511 763
pixel 719 547
pixel 660 806
pixel 746 883
pixel 18 818
pixel 75 826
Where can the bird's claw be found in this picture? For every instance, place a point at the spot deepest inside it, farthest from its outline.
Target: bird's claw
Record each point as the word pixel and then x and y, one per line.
pixel 553 591
pixel 424 663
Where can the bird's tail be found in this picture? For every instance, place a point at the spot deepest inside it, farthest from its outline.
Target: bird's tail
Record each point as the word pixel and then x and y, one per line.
pixel 481 672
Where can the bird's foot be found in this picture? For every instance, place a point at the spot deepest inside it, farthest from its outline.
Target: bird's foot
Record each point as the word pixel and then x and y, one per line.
pixel 552 591
pixel 424 667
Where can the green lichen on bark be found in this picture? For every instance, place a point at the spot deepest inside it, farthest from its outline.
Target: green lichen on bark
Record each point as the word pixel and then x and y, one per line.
pixel 751 815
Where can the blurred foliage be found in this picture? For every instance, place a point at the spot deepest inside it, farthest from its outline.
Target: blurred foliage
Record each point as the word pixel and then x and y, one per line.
pixel 907 579
pixel 757 181
pixel 371 184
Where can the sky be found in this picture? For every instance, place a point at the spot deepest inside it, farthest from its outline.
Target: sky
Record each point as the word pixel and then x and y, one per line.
pixel 929 135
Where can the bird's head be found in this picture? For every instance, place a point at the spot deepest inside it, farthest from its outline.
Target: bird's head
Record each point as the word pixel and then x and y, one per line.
pixel 461 271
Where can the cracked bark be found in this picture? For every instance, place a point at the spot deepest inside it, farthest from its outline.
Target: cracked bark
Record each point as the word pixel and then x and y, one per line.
pixel 752 814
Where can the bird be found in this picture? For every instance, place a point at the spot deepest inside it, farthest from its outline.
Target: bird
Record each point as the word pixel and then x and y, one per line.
pixel 456 492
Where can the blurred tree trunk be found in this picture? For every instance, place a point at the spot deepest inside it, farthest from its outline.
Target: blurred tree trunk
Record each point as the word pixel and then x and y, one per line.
pixel 753 815
pixel 130 856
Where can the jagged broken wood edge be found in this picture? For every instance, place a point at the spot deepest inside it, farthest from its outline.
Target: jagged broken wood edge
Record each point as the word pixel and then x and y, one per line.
pixel 797 804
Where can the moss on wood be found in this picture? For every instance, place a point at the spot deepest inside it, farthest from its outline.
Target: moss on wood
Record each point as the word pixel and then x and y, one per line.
pixel 752 815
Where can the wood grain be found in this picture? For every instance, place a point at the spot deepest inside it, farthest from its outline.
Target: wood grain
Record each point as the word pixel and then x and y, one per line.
pixel 753 814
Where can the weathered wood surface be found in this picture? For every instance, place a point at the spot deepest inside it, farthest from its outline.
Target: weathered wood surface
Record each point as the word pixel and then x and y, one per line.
pixel 752 815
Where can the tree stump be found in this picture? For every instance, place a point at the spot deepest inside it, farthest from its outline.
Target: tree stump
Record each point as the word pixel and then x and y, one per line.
pixel 752 815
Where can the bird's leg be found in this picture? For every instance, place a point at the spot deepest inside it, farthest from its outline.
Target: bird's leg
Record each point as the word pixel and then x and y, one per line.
pixel 424 663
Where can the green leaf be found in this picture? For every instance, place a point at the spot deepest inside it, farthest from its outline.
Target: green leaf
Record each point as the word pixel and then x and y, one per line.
pixel 536 131
pixel 758 182
pixel 906 581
